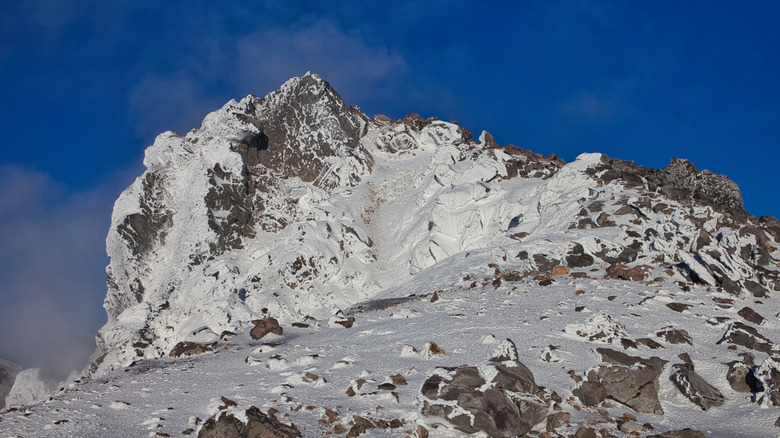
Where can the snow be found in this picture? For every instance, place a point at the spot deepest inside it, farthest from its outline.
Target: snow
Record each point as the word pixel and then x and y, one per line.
pixel 28 388
pixel 405 214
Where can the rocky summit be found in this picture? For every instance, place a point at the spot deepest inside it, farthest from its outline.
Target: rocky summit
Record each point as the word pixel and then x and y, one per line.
pixel 293 267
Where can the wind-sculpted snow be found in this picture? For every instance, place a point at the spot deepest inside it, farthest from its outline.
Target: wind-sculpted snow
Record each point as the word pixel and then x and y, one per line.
pixel 297 206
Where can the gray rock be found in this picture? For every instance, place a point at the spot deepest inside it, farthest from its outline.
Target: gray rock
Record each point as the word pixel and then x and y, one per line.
pixel 746 336
pixel 590 393
pixel 632 380
pixel 674 336
pixel 508 405
pixel 259 425
pixel 695 388
pixel 740 374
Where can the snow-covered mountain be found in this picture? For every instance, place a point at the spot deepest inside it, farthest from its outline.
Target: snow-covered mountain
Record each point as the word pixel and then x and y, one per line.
pixel 398 256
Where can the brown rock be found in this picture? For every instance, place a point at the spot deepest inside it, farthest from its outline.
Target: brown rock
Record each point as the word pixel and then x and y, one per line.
pixel 673 336
pixel 560 270
pixel 678 307
pixel 360 427
pixel 186 348
pixel 590 393
pixel 348 322
pixel 398 379
pixel 631 380
pixel 556 420
pixel 585 432
pixel 750 315
pixel 264 326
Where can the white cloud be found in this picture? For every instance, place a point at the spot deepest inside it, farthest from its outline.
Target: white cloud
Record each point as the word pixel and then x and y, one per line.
pixel 52 266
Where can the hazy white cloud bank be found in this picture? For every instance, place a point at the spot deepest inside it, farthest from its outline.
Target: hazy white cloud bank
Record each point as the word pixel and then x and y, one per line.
pixel 52 265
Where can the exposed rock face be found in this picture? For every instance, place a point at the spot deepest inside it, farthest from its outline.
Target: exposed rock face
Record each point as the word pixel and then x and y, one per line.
pixel 632 380
pixel 8 372
pixel 508 405
pixel 694 386
pixel 259 425
pixel 679 181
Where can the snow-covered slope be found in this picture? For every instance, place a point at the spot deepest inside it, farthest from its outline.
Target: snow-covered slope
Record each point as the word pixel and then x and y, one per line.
pixel 300 208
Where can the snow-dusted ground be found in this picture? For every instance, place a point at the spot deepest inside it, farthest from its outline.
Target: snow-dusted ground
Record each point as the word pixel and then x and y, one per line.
pixel 168 396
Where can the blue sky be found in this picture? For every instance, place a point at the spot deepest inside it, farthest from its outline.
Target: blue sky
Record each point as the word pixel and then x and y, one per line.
pixel 88 85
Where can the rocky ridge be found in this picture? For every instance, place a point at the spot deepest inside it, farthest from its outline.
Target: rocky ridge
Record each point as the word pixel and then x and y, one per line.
pixel 297 217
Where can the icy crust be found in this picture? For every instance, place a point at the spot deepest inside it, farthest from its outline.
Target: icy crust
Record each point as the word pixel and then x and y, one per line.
pixel 226 227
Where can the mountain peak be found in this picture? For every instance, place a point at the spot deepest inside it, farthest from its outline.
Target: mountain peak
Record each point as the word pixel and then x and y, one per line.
pixel 297 206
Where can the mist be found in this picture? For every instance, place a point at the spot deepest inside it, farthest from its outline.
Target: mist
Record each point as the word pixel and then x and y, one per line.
pixel 53 268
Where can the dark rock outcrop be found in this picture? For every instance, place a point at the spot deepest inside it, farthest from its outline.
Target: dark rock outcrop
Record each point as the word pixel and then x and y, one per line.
pixel 746 336
pixel 631 380
pixel 509 405
pixel 265 326
pixel 679 181
pixel 259 425
pixel 674 336
pixel 186 348
pixel 590 393
pixel 694 387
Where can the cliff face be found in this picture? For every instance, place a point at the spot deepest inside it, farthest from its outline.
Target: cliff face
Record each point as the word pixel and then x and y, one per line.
pixel 297 206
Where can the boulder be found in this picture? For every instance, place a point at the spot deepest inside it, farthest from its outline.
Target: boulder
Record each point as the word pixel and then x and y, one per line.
pixel 751 315
pixel 259 425
pixel 740 374
pixel 694 387
pixel 264 326
pixel 590 393
pixel 499 398
pixel 674 336
pixel 746 336
pixel 631 380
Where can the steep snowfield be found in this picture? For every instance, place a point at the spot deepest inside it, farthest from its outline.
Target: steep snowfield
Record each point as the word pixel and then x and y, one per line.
pixel 298 207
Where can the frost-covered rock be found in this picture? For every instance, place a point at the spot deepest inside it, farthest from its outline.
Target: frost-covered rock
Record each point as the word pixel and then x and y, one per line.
pixel 28 388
